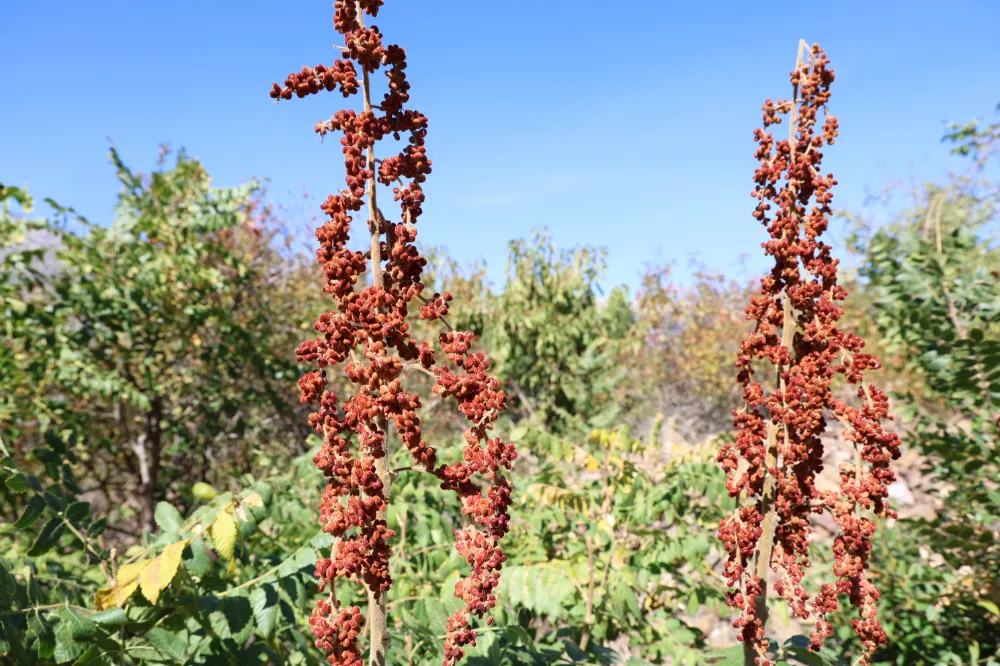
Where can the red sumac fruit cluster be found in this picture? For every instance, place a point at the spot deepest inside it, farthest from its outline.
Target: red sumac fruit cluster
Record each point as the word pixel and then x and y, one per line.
pixel 368 335
pixel 773 464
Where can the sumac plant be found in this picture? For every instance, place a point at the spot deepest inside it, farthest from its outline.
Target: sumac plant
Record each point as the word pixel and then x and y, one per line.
pixel 368 334
pixel 773 464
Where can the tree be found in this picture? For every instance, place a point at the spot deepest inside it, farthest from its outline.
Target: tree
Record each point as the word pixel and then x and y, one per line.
pixel 151 340
pixel 554 343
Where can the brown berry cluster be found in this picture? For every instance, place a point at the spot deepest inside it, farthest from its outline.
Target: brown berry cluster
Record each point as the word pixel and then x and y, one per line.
pixel 773 464
pixel 368 332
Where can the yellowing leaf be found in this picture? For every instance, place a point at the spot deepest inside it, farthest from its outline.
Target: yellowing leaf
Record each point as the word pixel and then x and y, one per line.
pixel 592 463
pixel 113 596
pixel 131 572
pixel 252 499
pixel 157 576
pixel 124 587
pixel 224 531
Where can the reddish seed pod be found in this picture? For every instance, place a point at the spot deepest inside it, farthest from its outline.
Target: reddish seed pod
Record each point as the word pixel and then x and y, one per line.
pixel 368 332
pixel 778 445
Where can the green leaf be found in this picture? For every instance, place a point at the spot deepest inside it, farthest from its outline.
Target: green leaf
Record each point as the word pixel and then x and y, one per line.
pixel 542 588
pixel 436 614
pixel 77 511
pixel 112 617
pixel 232 618
pixel 78 625
pixel 47 538
pixel 97 527
pixel 623 601
pixel 18 483
pixel 140 649
pixel 32 511
pixel 10 639
pixel 264 601
pixel 67 649
pixel 301 558
pixel 731 656
pixel 199 563
pixel 174 644
pixel 693 604
pixel 167 517
pixel 94 656
pixel 322 540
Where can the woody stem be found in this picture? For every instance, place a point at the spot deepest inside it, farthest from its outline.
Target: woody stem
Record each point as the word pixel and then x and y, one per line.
pixel 377 604
pixel 765 547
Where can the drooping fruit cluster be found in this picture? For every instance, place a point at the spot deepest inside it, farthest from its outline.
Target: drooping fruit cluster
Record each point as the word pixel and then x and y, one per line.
pixel 368 331
pixel 773 464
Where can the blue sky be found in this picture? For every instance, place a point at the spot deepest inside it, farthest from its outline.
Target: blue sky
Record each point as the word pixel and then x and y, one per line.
pixel 624 125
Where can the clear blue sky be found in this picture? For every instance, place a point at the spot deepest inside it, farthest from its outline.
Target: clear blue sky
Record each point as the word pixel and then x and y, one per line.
pixel 625 125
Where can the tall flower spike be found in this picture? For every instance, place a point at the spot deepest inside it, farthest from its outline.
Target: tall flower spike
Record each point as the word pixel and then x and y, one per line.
pixel 772 466
pixel 368 332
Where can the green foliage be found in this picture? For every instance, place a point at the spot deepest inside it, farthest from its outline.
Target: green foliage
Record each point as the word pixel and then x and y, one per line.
pixel 552 340
pixel 974 139
pixel 934 279
pixel 793 651
pixel 66 598
pixel 588 535
pixel 153 340
pixel 590 551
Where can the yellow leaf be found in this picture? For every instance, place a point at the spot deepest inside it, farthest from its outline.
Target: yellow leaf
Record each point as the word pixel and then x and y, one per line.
pixel 253 500
pixel 123 588
pixel 130 572
pixel 113 596
pixel 592 463
pixel 157 576
pixel 224 534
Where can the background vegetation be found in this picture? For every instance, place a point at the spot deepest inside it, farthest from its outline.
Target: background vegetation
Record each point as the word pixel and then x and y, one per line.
pixel 151 436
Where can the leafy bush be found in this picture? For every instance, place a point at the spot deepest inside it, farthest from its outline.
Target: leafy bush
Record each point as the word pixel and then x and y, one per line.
pixel 934 276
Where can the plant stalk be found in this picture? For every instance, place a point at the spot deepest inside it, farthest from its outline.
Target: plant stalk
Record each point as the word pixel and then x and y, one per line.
pixel 377 603
pixel 765 547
